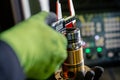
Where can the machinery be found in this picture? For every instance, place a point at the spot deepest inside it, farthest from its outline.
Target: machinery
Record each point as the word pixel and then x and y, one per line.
pixel 70 28
pixel 100 33
pixel 100 30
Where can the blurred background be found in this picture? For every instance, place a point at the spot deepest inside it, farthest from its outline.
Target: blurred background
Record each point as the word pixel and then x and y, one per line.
pixel 100 28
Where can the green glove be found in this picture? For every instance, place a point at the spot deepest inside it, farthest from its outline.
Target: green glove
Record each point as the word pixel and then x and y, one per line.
pixel 39 48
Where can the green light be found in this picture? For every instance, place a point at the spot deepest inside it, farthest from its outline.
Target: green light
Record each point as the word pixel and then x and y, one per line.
pixel 99 49
pixel 87 51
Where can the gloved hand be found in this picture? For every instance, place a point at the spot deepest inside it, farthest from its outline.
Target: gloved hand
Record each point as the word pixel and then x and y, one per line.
pixel 38 47
pixel 91 74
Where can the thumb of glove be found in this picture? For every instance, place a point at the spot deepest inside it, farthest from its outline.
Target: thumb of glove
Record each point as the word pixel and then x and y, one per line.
pixel 51 18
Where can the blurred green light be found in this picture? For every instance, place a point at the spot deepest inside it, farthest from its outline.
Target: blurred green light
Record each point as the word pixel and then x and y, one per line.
pixel 87 51
pixel 99 49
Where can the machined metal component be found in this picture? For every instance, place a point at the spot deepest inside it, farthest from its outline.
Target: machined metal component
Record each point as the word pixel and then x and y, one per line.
pixel 75 61
pixel 69 27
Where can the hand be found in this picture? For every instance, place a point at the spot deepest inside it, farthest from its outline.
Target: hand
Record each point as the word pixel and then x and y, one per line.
pixel 92 74
pixel 39 48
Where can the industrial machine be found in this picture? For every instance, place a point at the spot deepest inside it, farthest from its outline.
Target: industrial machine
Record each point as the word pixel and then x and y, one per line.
pixel 100 30
pixel 101 33
pixel 68 27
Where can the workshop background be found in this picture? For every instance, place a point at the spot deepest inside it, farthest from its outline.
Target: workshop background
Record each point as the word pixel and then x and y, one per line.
pixel 100 28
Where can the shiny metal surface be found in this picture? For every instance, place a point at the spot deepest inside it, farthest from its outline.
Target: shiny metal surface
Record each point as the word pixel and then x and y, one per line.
pixel 75 61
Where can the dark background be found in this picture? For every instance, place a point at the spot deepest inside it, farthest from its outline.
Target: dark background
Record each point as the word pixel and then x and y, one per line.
pixel 81 6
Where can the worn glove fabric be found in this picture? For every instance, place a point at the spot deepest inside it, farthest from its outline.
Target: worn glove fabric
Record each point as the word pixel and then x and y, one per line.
pixel 38 47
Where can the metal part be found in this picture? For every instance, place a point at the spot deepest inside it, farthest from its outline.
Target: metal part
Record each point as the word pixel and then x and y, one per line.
pixel 75 61
pixel 62 24
pixel 68 26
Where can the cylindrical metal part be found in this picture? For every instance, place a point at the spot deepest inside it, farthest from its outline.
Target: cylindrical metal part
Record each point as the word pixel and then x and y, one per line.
pixel 75 61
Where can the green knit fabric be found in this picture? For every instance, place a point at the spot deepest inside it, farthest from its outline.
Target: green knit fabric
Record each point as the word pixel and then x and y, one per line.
pixel 38 47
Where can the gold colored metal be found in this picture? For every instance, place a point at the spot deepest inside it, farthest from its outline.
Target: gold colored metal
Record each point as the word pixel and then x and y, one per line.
pixel 73 64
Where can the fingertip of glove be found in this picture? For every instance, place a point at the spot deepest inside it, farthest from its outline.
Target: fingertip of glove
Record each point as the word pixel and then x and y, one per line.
pixel 90 73
pixel 79 76
pixel 98 69
pixel 51 18
pixel 98 72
